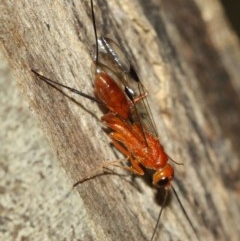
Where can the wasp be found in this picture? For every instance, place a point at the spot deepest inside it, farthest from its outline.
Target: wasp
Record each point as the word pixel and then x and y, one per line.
pixel 133 132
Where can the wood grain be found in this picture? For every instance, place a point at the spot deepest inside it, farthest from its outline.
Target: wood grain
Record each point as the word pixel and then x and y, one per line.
pixel 188 58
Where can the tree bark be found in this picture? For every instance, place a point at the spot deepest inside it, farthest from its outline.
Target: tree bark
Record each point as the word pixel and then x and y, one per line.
pixel 188 58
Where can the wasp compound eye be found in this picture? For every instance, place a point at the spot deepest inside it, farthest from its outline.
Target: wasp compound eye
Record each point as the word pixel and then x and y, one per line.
pixel 163 182
pixel 164 176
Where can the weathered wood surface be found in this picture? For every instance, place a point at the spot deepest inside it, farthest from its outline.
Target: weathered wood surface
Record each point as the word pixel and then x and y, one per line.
pixel 188 58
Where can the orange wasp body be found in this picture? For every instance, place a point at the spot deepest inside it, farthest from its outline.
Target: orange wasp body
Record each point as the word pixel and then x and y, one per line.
pixel 140 147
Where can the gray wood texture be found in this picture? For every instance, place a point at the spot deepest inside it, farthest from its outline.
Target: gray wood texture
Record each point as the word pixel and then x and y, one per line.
pixel 188 58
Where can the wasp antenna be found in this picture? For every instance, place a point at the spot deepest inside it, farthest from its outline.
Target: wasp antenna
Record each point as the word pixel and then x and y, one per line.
pixel 160 214
pixel 95 31
pixel 185 213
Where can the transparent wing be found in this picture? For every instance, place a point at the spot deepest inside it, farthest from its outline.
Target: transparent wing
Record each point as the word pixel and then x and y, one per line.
pixel 113 60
